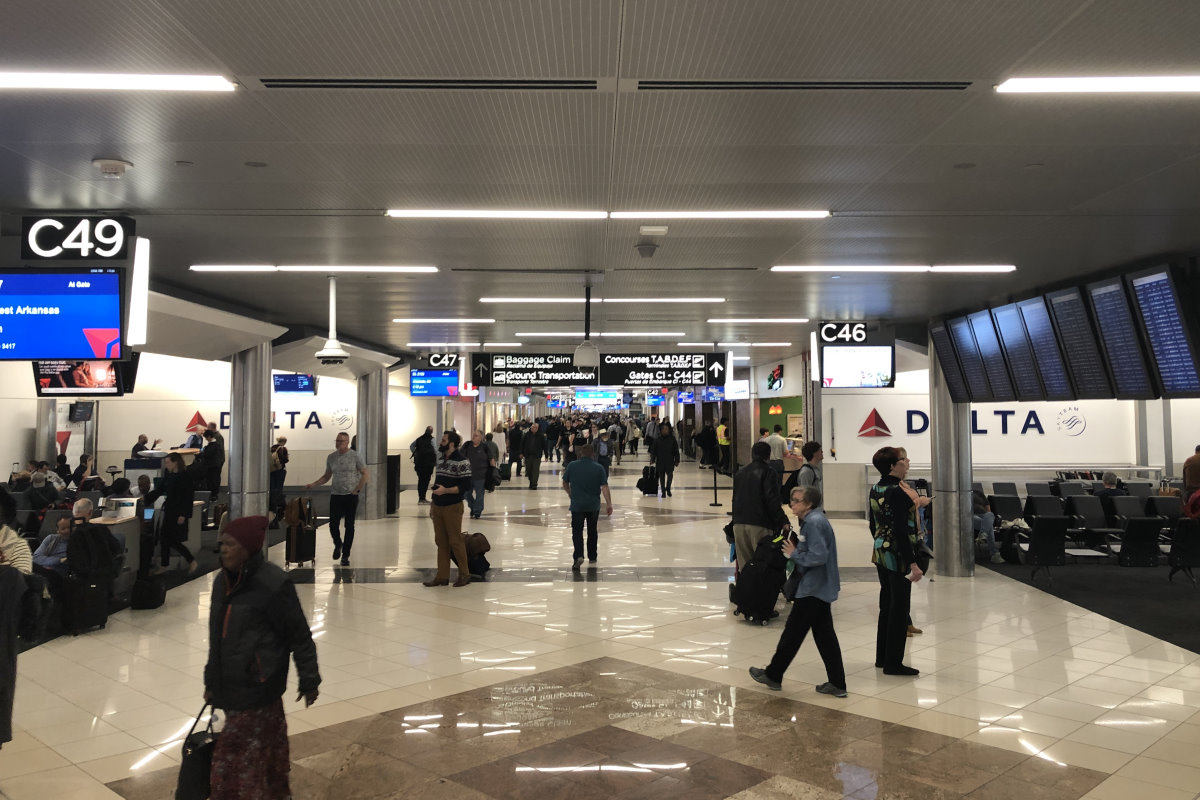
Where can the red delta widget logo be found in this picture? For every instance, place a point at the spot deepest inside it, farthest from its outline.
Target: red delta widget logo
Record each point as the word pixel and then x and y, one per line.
pixel 918 422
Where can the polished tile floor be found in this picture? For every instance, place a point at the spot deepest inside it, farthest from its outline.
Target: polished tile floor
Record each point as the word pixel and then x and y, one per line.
pixel 629 681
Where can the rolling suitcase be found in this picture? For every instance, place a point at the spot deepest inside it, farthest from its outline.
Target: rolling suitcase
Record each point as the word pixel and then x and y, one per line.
pixel 301 542
pixel 648 483
pixel 506 472
pixel 147 593
pixel 85 605
pixel 760 582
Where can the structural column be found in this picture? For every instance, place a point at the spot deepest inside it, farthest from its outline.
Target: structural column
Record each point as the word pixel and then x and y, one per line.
pixel 45 441
pixel 249 443
pixel 950 429
pixel 372 441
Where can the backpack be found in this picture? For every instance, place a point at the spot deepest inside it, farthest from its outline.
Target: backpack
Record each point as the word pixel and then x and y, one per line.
pixel 276 463
pixel 88 552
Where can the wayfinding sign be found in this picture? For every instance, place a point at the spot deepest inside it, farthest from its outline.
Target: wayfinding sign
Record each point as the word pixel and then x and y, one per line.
pixel 663 369
pixel 529 369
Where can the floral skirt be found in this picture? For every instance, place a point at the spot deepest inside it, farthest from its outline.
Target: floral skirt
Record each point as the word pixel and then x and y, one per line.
pixel 251 760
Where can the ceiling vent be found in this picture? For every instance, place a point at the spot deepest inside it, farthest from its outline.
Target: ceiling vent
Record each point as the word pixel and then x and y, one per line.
pixel 440 84
pixel 804 86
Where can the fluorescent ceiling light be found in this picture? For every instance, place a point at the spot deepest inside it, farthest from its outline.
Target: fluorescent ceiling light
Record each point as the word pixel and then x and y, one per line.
pixel 139 303
pixel 443 344
pixel 754 344
pixel 552 334
pixel 694 344
pixel 964 268
pixel 233 268
pixel 661 300
pixel 975 268
pixel 115 82
pixel 780 214
pixel 323 269
pixel 757 320
pixel 436 320
pixel 501 344
pixel 491 213
pixel 741 358
pixel 1136 84
pixel 531 299
pixel 303 268
pixel 674 335
pixel 881 268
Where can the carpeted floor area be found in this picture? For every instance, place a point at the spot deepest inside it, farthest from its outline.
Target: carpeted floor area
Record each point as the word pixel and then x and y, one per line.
pixel 1141 598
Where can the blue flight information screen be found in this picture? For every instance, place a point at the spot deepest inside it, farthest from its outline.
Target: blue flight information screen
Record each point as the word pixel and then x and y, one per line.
pixel 1079 343
pixel 1045 349
pixel 298 382
pixel 1174 358
pixel 433 382
pixel 1119 338
pixel 48 314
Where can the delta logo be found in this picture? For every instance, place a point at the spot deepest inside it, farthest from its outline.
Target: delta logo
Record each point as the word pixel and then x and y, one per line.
pixel 774 410
pixel 874 426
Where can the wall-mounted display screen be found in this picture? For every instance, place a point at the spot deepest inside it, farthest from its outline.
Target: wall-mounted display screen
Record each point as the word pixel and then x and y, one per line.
pixel 295 383
pixel 1084 363
pixel 956 384
pixel 655 400
pixel 857 366
pixel 686 397
pixel 1046 354
pixel 993 358
pixel 81 411
pixel 1171 347
pixel 1118 335
pixel 737 390
pixel 714 394
pixel 970 360
pixel 77 378
pixel 433 382
pixel 73 314
pixel 1018 353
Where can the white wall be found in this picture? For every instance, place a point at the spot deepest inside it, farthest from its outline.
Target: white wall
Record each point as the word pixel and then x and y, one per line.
pixel 18 414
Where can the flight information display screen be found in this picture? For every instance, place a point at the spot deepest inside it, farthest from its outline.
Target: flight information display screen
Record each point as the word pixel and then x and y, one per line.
pixel 1015 341
pixel 1046 354
pixel 955 382
pixel 1079 343
pixel 50 314
pixel 1119 340
pixel 1174 358
pixel 972 363
pixel 993 358
pixel 433 382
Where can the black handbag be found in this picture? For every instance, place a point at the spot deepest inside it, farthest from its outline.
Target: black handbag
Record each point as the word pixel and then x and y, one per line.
pixel 196 768
pixel 729 532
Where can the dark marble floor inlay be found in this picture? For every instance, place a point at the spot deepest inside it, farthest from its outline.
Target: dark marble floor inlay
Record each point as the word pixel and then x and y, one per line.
pixel 609 729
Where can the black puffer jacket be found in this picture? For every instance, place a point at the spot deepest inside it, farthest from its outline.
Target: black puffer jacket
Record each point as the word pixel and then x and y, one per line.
pixel 756 499
pixel 254 621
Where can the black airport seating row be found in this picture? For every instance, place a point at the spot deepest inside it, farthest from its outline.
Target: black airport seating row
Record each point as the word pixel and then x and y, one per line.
pixel 1067 488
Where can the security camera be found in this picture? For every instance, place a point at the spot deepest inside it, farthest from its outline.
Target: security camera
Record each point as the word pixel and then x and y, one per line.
pixel 332 353
pixel 646 249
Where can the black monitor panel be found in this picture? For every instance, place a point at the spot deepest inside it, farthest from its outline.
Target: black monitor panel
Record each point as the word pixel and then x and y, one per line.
pixel 1120 341
pixel 1046 353
pixel 1173 356
pixel 1015 341
pixel 993 357
pixel 970 359
pixel 1084 363
pixel 955 382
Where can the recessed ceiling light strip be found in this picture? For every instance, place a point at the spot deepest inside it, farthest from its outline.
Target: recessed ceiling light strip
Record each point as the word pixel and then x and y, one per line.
pixel 776 214
pixel 492 213
pixel 443 344
pixel 1096 85
pixel 447 320
pixel 758 321
pixel 945 268
pixel 322 269
pixel 109 82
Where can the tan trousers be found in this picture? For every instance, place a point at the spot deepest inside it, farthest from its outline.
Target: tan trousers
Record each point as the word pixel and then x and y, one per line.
pixel 447 534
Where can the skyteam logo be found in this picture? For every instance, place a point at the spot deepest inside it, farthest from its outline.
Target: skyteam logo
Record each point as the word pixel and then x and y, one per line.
pixel 1071 421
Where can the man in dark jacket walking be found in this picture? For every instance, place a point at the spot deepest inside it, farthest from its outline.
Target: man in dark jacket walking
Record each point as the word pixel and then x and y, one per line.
pixel 255 621
pixel 515 436
pixel 424 456
pixel 757 510
pixel 664 452
pixel 534 447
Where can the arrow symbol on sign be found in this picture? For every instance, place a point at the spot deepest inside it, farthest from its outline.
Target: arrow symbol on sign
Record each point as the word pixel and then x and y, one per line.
pixel 481 369
pixel 716 368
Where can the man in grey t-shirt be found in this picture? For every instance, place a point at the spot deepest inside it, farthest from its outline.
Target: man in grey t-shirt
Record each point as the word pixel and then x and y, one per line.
pixel 349 474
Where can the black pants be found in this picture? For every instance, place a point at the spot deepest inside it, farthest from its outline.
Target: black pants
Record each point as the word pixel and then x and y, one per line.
pixel 891 635
pixel 633 446
pixel 514 458
pixel 809 612
pixel 276 499
pixel 172 537
pixel 578 518
pixel 424 474
pixel 212 479
pixel 664 480
pixel 342 506
pixel 726 459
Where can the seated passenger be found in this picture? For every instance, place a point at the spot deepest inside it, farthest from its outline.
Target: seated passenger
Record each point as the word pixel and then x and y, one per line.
pixel 51 556
pixel 62 469
pixel 84 477
pixel 51 476
pixel 14 550
pixel 40 494
pixel 1112 486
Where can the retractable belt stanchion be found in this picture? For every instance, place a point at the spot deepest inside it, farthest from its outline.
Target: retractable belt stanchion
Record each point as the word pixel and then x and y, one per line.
pixel 714 502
